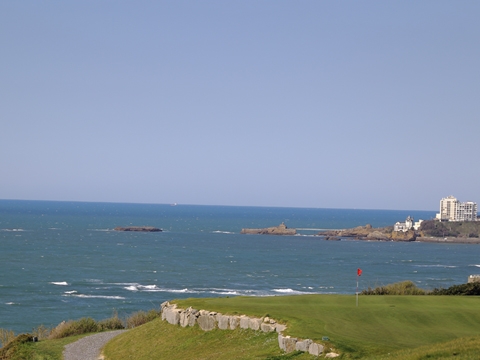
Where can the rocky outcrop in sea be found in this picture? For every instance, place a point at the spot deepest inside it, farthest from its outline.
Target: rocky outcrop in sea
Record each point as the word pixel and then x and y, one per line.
pixel 275 230
pixel 138 228
pixel 368 232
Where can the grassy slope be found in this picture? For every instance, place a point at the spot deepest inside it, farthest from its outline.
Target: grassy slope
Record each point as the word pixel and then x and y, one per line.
pixel 44 350
pixel 159 340
pixel 407 327
pixel 381 324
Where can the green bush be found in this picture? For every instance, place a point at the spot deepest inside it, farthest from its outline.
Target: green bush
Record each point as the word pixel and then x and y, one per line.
pixel 41 332
pixel 11 348
pixel 463 289
pixel 6 336
pixel 141 317
pixel 113 323
pixel 400 288
pixel 77 327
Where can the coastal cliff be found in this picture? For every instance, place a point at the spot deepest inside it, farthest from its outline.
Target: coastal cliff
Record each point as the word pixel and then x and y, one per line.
pixel 275 230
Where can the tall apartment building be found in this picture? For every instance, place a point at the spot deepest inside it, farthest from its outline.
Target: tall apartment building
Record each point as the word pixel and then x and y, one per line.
pixel 453 210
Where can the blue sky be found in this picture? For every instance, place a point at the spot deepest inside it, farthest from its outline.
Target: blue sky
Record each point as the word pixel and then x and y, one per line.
pixel 326 104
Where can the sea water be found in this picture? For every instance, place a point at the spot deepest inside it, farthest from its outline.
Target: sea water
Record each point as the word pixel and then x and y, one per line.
pixel 63 260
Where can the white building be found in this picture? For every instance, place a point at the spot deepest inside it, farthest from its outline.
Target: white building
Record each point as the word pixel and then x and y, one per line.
pixel 405 226
pixel 453 210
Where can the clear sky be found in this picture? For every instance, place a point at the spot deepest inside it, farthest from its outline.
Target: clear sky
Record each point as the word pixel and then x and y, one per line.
pixel 325 104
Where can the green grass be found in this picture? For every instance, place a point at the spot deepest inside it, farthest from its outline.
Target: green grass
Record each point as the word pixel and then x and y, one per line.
pixel 159 340
pixel 43 350
pixel 381 327
pixel 458 349
pixel 379 324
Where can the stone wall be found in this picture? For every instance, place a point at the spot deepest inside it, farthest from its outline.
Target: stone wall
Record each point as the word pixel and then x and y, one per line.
pixel 209 320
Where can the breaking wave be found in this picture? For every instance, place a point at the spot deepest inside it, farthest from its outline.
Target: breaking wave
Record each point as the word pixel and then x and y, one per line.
pixel 215 291
pixel 95 296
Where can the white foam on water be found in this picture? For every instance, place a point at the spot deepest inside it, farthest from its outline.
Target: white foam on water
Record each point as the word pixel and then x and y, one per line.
pixel 291 291
pixel 225 292
pixel 437 265
pixel 11 303
pixel 59 283
pixel 284 290
pixel 182 291
pixel 71 292
pixel 131 288
pixel 96 296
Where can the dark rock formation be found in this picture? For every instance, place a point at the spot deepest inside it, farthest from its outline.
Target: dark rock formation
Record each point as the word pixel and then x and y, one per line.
pixel 138 228
pixel 368 232
pixel 276 230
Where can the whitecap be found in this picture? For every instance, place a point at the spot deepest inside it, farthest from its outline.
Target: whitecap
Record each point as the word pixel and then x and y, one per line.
pixel 184 291
pixel 437 265
pixel 284 290
pixel 71 292
pixel 96 296
pixel 225 292
pixel 292 292
pixel 10 303
pixel 149 287
pixel 59 283
pixel 131 288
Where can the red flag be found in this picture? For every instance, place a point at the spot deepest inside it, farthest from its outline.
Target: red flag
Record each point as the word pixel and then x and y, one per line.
pixel 359 272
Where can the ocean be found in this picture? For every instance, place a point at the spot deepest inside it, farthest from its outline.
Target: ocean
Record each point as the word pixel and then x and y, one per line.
pixel 63 260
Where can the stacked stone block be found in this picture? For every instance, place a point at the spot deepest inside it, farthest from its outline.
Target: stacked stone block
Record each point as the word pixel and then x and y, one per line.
pixel 209 320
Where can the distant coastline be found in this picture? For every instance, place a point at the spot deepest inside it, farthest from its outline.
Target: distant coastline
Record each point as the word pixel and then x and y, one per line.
pixel 429 231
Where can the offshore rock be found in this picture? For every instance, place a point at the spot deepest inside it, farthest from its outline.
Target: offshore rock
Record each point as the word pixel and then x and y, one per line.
pixel 138 228
pixel 275 230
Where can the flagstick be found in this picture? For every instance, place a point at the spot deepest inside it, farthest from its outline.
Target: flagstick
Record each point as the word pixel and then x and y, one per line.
pixel 357 291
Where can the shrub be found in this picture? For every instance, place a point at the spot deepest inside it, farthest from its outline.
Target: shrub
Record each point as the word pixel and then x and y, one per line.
pixel 6 336
pixel 113 323
pixel 41 332
pixel 400 288
pixel 78 327
pixel 463 289
pixel 141 317
pixel 13 345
